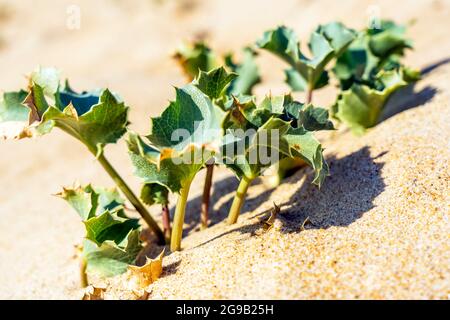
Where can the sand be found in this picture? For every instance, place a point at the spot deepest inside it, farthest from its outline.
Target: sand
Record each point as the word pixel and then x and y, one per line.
pixel 378 228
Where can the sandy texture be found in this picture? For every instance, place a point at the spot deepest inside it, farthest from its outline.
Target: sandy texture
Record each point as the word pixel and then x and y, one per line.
pixel 379 226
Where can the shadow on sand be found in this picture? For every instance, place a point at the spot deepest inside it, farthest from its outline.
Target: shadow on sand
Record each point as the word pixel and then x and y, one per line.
pixel 348 193
pixel 410 97
pixel 223 188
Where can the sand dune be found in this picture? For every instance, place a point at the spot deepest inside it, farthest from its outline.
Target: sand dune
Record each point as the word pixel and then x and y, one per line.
pixel 379 226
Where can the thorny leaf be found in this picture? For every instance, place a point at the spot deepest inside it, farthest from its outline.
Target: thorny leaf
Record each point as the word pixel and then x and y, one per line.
pixel 14 115
pixel 291 141
pixel 268 224
pixel 192 116
pixel 389 38
pixel 306 221
pixel 152 166
pixel 215 82
pixel 372 51
pixel 326 42
pixel 112 239
pixel 247 161
pixel 307 116
pixel 142 294
pixel 182 140
pixel 89 201
pixel 111 259
pixel 95 119
pixel 152 193
pixel 148 273
pixel 105 122
pixel 109 226
pixel 314 119
pixel 360 106
pixel 94 293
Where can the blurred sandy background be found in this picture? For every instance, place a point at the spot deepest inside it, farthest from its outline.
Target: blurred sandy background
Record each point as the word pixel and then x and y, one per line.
pixel 126 46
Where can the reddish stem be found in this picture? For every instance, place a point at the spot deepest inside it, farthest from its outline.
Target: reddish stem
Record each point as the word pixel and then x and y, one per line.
pixel 309 92
pixel 206 196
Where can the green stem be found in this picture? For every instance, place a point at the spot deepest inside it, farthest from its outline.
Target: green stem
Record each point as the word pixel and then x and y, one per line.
pixel 238 200
pixel 83 273
pixel 178 219
pixel 140 208
pixel 206 195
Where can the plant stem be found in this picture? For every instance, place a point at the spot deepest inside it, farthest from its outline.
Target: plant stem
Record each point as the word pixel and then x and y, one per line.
pixel 309 92
pixel 238 200
pixel 83 273
pixel 140 208
pixel 206 195
pixel 166 222
pixel 178 219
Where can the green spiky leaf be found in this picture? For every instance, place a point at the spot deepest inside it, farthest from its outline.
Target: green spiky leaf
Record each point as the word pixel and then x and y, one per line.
pixel 110 259
pixel 181 140
pixel 372 51
pixel 169 169
pixel 326 42
pixel 305 146
pixel 154 193
pixel 274 137
pixel 215 82
pixel 247 70
pixel 109 227
pixel 360 106
pixel 14 114
pixel 191 119
pixel 96 119
pixel 105 122
pixel 314 119
pixel 388 39
pixel 259 114
pixel 112 239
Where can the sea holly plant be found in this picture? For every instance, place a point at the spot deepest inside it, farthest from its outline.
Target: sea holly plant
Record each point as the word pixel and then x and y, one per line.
pixel 312 119
pixel 194 129
pixel 181 142
pixel 373 50
pixel 94 118
pixel 112 238
pixel 360 106
pixel 369 72
pixel 198 62
pixel 260 135
pixel 326 43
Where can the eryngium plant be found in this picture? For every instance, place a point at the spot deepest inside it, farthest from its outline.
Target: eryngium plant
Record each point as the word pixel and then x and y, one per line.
pixel 94 118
